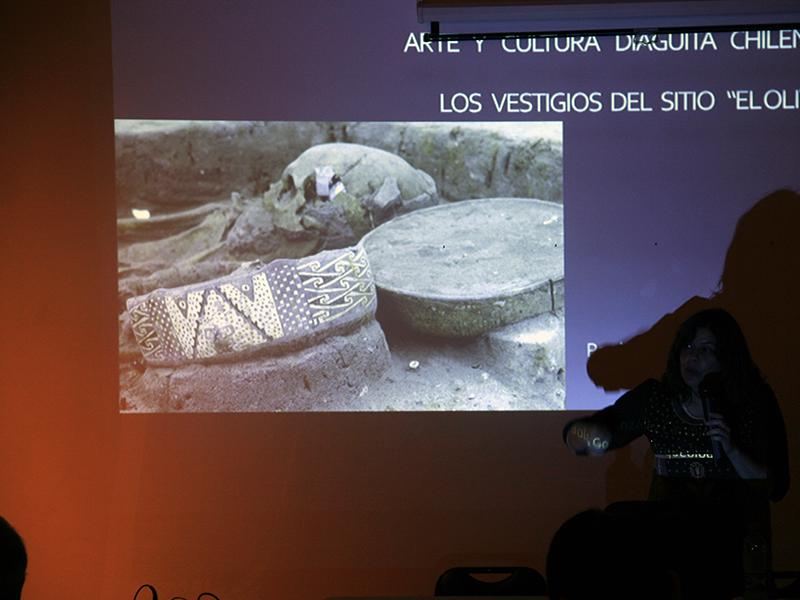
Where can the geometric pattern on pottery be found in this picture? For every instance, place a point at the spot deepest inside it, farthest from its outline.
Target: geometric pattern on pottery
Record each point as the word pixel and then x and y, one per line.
pixel 285 300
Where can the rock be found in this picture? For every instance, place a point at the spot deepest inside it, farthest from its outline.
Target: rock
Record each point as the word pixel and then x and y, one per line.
pixel 335 371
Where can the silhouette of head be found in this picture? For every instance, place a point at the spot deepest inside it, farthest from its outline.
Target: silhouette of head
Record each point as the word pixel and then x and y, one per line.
pixel 13 562
pixel 599 556
pixel 763 251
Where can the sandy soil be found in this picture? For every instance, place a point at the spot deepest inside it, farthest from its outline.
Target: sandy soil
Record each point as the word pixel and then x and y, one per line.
pixel 449 375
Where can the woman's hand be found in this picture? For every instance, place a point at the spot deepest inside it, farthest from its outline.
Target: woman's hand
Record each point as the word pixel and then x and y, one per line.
pixel 746 467
pixel 584 437
pixel 719 431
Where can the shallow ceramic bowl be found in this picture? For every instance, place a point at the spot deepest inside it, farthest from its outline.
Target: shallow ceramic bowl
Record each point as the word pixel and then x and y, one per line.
pixel 465 268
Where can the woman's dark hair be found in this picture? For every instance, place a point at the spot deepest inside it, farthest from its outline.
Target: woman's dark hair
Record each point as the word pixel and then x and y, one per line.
pixel 740 376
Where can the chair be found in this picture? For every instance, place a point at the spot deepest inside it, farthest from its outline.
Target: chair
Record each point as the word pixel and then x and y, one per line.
pixel 148 587
pixel 787 590
pixel 154 593
pixel 515 581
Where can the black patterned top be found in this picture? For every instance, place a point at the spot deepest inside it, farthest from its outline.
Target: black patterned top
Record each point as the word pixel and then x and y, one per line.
pixel 685 465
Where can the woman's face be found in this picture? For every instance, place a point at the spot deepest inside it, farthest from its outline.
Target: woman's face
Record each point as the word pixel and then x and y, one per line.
pixel 699 358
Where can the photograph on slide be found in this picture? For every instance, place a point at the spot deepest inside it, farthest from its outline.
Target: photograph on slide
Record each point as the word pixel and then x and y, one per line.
pixel 340 266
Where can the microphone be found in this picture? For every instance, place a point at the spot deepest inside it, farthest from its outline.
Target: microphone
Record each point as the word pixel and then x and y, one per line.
pixel 710 390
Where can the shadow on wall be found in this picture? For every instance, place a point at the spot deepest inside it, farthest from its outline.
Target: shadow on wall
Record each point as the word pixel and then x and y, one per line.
pixel 759 287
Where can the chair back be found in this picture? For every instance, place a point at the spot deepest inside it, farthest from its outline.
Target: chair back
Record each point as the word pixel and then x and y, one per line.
pixel 513 581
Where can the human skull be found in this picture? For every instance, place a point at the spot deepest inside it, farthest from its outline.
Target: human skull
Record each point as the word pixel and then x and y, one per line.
pixel 362 170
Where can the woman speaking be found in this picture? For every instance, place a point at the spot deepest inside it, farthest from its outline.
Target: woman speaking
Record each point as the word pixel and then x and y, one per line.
pixel 719 443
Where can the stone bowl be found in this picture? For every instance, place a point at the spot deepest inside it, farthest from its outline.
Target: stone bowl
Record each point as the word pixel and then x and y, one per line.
pixel 465 268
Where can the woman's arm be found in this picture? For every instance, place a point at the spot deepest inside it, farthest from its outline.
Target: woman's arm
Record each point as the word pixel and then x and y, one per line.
pixel 765 457
pixel 746 466
pixel 613 427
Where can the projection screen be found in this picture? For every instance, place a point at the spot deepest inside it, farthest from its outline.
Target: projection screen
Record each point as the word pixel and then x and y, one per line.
pixel 319 210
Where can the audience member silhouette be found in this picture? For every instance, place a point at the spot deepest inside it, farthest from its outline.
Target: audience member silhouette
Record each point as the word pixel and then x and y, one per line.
pixel 596 555
pixel 13 562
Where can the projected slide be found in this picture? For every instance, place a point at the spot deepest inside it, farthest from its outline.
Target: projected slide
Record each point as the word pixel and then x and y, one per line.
pixel 378 222
pixel 271 266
